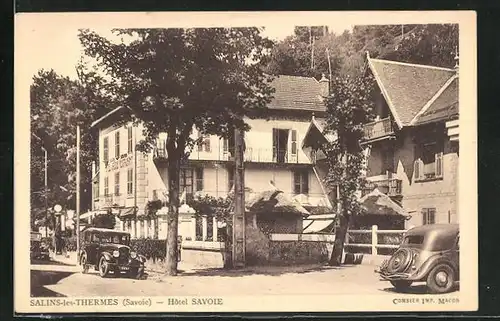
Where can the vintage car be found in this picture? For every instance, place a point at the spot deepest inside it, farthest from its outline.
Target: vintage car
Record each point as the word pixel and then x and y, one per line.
pixel 428 253
pixel 39 250
pixel 108 251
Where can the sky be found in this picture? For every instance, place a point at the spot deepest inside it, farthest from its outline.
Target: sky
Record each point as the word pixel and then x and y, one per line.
pixel 59 48
pixel 49 40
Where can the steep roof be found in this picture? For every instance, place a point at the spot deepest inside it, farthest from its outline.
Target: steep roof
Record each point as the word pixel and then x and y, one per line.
pixel 408 88
pixel 295 92
pixel 444 106
pixel 291 93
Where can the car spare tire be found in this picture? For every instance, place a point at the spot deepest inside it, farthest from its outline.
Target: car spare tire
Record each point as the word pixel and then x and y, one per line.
pixel 399 261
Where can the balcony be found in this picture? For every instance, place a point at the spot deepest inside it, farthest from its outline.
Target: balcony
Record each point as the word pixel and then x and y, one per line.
pixel 255 155
pixel 388 186
pixel 378 130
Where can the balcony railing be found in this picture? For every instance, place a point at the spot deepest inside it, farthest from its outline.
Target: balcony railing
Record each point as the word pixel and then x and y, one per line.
pixel 379 129
pixel 259 155
pixel 388 186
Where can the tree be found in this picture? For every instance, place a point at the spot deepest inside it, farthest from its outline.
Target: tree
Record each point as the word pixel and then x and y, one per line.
pixel 107 220
pixel 58 104
pixel 293 55
pixel 175 80
pixel 348 108
pixel 431 44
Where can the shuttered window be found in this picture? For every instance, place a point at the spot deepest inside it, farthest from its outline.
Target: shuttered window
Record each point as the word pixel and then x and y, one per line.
pixel 117 144
pixel 199 179
pixel 130 180
pixel 428 216
pixel 301 182
pixel 117 183
pixel 106 150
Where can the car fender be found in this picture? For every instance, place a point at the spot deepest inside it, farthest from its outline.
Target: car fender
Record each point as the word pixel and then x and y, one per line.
pixel 107 256
pixel 431 262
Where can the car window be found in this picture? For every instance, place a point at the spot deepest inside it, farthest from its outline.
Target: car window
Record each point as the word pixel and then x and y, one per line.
pixel 414 239
pixel 116 239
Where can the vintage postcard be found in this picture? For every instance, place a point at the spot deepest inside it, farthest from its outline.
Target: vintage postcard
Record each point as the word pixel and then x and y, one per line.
pixel 245 162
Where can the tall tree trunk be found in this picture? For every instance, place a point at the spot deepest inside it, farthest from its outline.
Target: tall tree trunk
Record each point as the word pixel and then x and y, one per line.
pixel 228 247
pixel 173 213
pixel 338 245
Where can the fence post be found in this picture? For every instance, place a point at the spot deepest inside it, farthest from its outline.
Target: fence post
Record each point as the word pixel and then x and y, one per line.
pixel 193 228
pixel 215 236
pixel 133 229
pixel 204 224
pixel 374 239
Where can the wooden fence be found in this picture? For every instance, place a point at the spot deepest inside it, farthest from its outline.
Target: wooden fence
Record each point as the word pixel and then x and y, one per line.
pixel 372 240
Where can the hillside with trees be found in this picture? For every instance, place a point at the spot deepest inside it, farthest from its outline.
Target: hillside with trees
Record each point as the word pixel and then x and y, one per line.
pixel 306 52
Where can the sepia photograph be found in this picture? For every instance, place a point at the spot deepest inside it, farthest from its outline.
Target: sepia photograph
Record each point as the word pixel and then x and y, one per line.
pixel 274 165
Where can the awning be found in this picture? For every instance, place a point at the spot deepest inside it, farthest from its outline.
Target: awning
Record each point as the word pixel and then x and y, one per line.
pixel 275 201
pixel 377 203
pixel 127 212
pixel 322 223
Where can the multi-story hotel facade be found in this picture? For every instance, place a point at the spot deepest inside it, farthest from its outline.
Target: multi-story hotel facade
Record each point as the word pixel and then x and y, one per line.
pixel 125 179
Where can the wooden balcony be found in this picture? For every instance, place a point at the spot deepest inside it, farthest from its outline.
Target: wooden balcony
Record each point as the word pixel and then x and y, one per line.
pixel 388 186
pixel 378 130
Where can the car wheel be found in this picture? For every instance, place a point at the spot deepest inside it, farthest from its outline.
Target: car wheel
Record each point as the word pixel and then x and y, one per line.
pixel 401 284
pixel 441 279
pixel 103 267
pixel 83 263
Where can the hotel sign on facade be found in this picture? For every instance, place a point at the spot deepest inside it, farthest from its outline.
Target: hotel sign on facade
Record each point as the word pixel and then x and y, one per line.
pixel 119 163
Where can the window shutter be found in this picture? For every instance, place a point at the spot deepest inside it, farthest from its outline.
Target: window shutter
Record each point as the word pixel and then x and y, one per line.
pixel 424 216
pixel 275 143
pixel 439 165
pixel 225 145
pixel 432 216
pixel 417 169
pixel 117 144
pixel 106 149
pixel 207 144
pixel 199 179
pixel 296 182
pixel 305 183
pixel 294 145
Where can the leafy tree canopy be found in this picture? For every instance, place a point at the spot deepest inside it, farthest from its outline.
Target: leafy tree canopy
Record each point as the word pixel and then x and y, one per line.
pixel 432 44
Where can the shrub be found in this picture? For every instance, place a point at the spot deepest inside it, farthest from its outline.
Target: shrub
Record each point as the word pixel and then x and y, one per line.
pixel 104 221
pixel 152 249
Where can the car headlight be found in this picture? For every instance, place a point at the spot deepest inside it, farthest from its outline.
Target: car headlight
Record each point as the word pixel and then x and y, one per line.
pixel 116 253
pixel 133 255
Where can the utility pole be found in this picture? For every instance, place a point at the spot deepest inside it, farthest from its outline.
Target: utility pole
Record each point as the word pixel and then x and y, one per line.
pixel 77 192
pixel 329 65
pixel 238 255
pixel 45 192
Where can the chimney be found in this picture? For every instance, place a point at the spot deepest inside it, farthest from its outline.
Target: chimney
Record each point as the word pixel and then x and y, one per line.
pixel 325 86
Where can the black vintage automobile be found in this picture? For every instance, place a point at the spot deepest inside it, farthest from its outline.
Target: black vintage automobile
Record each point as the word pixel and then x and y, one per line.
pixel 428 253
pixel 39 250
pixel 108 251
